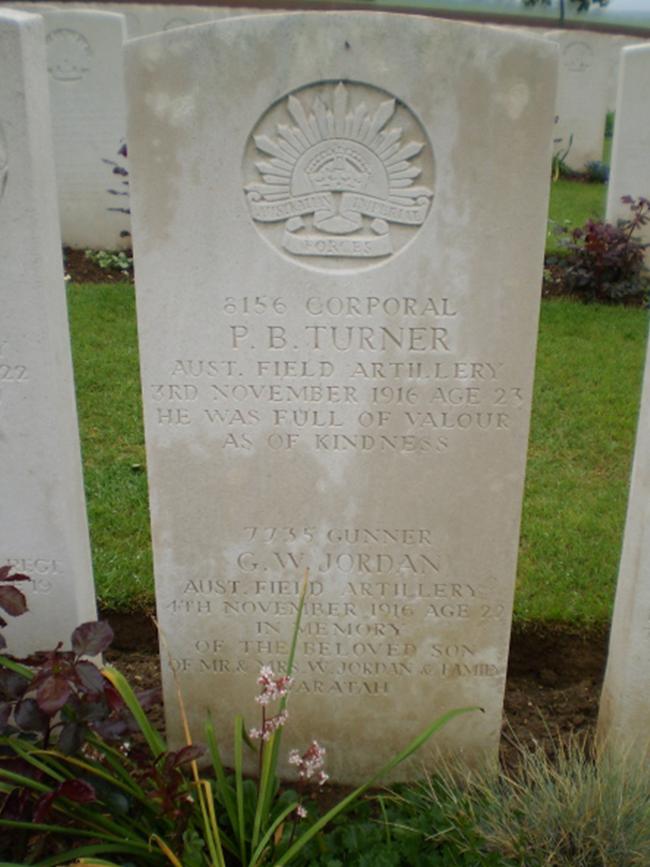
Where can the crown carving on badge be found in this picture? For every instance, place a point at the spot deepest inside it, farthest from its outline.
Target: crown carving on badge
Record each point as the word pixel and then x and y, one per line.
pixel 338 169
pixel 338 147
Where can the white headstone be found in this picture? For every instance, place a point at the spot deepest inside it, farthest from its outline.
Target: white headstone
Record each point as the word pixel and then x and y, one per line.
pixel 143 19
pixel 581 107
pixel 84 61
pixel 338 287
pixel 615 44
pixel 625 702
pixel 43 529
pixel 630 166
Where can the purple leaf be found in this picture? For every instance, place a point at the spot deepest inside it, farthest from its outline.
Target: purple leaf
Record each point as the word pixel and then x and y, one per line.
pixel 3 641
pixel 5 713
pixel 89 639
pixel 111 730
pixel 90 676
pixel 13 601
pixel 78 791
pixel 149 698
pixel 70 739
pixel 12 684
pixel 4 572
pixel 17 576
pixel 185 755
pixel 29 717
pixel 52 694
pixel 43 806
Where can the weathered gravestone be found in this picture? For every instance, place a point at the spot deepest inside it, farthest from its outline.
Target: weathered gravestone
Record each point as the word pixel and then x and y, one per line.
pixel 42 517
pixel 625 701
pixel 581 107
pixel 145 18
pixel 84 62
pixel 338 287
pixel 615 45
pixel 630 168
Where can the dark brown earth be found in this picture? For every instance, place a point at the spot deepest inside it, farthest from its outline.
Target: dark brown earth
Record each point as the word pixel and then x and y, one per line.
pixel 82 270
pixel 552 691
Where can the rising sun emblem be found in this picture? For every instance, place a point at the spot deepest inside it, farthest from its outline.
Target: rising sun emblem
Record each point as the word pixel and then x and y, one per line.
pixel 338 184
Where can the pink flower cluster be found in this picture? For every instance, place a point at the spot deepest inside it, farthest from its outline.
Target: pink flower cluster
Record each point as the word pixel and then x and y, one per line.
pixel 269 726
pixel 272 687
pixel 310 763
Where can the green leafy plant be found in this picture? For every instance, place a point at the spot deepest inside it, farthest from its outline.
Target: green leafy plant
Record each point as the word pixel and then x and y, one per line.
pixel 596 172
pixel 559 168
pixel 111 260
pixel 116 788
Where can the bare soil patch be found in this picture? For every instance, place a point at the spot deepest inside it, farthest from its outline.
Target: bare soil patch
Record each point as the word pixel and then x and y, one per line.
pixel 82 270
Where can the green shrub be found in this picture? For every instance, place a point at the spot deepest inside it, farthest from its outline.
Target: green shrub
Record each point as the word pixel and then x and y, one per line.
pixel 111 260
pixel 568 811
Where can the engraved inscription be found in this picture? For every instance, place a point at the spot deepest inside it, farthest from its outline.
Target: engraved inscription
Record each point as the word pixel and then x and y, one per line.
pixel 339 175
pixel 44 572
pixel 4 161
pixel 391 617
pixel 578 56
pixel 325 383
pixel 68 54
pixel 12 373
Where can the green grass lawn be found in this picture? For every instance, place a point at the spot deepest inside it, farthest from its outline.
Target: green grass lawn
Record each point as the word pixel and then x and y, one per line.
pixel 104 343
pixel 584 417
pixel 571 205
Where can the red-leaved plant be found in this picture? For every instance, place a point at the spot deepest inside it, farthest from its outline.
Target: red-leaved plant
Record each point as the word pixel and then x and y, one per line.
pixel 83 773
pixel 602 261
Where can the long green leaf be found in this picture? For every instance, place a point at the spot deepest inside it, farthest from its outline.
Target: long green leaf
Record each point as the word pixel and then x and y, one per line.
pixel 8 662
pixel 223 786
pixel 239 785
pixel 97 771
pixel 27 782
pixel 415 745
pixel 67 829
pixel 266 784
pixel 116 760
pixel 91 817
pixel 257 854
pixel 154 740
pixel 29 756
pixel 84 852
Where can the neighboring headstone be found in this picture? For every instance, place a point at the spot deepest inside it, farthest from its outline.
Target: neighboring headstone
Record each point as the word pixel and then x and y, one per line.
pixel 625 701
pixel 581 107
pixel 338 287
pixel 43 529
pixel 615 44
pixel 143 19
pixel 84 61
pixel 630 165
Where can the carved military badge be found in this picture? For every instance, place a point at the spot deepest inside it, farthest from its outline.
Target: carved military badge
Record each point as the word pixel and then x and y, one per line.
pixel 68 54
pixel 339 175
pixel 578 56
